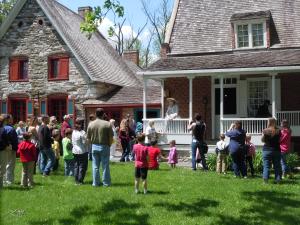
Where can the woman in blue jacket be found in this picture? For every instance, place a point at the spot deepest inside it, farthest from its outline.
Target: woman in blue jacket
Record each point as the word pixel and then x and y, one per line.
pixel 237 148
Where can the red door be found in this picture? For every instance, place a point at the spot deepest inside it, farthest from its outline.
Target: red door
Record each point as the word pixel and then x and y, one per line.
pixel 57 107
pixel 18 109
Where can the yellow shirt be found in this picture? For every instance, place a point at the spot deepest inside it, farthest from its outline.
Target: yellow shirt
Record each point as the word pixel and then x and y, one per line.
pixel 56 149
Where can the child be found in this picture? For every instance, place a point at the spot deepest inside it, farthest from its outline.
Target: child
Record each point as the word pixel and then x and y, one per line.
pixel 222 152
pixel 285 142
pixel 250 153
pixel 154 155
pixel 141 163
pixel 20 131
pixel 172 160
pixel 68 155
pixel 28 155
pixel 56 147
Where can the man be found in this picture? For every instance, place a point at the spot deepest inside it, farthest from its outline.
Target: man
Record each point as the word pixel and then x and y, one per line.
pixel 3 152
pixel 100 134
pixel 47 156
pixel 12 139
pixel 198 128
pixel 263 110
pixel 65 125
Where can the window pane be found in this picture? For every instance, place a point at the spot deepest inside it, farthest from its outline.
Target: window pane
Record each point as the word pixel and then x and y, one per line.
pixel 243 36
pixel 257 94
pixel 258 35
pixel 23 70
pixel 54 65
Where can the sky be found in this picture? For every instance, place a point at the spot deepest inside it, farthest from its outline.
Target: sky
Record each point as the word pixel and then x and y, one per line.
pixel 134 14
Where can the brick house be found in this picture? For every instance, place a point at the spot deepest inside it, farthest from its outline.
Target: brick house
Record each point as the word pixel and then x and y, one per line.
pixel 48 67
pixel 224 59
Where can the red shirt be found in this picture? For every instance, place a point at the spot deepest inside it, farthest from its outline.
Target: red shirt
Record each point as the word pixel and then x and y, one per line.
pixel 27 151
pixel 141 156
pixel 153 154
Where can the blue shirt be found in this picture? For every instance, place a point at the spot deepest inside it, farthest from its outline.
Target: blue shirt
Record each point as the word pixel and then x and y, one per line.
pixel 12 137
pixel 237 139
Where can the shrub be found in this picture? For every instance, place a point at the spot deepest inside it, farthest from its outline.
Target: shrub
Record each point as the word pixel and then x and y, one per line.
pixel 292 160
pixel 211 161
pixel 258 162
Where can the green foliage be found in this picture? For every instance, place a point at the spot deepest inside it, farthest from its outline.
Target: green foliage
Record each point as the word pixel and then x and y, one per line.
pixel 293 160
pixel 5 7
pixel 258 162
pixel 211 161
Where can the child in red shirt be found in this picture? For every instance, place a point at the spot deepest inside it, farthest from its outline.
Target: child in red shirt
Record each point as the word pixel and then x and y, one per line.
pixel 154 154
pixel 27 151
pixel 141 163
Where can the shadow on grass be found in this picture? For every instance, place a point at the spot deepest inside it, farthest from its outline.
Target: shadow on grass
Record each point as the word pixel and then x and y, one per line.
pixel 158 192
pixel 198 208
pixel 115 211
pixel 128 184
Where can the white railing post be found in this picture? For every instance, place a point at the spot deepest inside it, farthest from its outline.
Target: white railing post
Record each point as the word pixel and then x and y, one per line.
pixel 190 97
pixel 273 95
pixel 145 99
pixel 162 98
pixel 221 103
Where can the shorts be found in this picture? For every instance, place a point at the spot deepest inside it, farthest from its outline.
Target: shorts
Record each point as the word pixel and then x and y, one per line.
pixel 141 173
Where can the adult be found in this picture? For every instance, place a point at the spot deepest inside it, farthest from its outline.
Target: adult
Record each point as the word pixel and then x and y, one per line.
pixel 47 156
pixel 115 138
pixel 150 133
pixel 11 149
pixel 271 150
pixel 66 124
pixel 53 125
pixel 263 110
pixel 198 128
pixel 100 134
pixel 237 148
pixel 32 124
pixel 3 151
pixel 92 117
pixel 80 152
pixel 172 111
pixel 125 136
pixel 132 127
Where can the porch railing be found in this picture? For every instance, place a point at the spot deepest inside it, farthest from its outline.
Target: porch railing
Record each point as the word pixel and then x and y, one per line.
pixel 176 126
pixel 251 125
pixel 292 116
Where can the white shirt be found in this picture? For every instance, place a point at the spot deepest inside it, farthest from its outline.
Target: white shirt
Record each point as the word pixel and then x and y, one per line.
pixel 221 145
pixel 150 134
pixel 79 142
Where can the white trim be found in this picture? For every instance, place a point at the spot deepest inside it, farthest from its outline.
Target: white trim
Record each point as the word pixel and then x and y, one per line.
pixel 225 72
pixel 145 99
pixel 221 103
pixel 190 97
pixel 162 83
pixel 171 22
pixel 213 100
pixel 273 96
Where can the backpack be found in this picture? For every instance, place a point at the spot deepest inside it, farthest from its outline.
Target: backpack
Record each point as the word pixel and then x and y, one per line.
pixel 3 139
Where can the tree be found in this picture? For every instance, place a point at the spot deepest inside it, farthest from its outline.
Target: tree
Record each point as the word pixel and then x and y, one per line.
pixel 5 7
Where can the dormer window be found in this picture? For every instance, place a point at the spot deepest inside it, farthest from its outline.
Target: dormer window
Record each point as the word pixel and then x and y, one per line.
pixel 251 30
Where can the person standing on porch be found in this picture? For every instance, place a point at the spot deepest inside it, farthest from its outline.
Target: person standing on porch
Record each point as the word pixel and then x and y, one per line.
pixel 237 148
pixel 263 110
pixel 100 134
pixel 198 128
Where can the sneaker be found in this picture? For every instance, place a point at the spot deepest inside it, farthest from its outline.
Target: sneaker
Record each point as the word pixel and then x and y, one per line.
pixel 136 191
pixel 145 191
pixel 245 177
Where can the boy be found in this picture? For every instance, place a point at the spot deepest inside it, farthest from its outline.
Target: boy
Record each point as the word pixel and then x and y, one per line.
pixel 222 152
pixel 68 155
pixel 141 163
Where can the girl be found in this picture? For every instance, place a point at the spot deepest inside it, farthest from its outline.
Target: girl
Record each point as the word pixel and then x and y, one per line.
pixel 68 155
pixel 56 147
pixel 285 143
pixel 173 154
pixel 250 153
pixel 125 135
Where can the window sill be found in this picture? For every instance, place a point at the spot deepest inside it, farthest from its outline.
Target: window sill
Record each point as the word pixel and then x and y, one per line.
pixel 248 48
pixel 27 80
pixel 57 79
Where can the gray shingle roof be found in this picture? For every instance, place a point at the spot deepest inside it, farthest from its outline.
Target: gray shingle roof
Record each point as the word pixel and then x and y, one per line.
pixel 251 15
pixel 204 25
pixel 97 57
pixel 236 59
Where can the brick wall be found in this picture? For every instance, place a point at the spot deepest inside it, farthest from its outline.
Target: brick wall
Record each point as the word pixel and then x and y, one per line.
pixel 290 97
pixel 178 88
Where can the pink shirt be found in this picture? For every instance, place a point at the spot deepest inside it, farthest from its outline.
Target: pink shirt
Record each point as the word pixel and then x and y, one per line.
pixel 141 156
pixel 285 139
pixel 173 155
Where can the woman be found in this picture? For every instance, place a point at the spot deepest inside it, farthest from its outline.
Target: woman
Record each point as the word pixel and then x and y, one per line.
pixel 115 138
pixel 271 150
pixel 80 152
pixel 172 111
pixel 125 135
pixel 34 137
pixel 237 148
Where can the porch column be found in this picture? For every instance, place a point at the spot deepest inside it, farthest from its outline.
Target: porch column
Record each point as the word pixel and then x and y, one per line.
pixel 273 95
pixel 190 97
pixel 221 103
pixel 162 85
pixel 145 99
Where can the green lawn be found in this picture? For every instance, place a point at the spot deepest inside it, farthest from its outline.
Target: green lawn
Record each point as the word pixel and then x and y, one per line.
pixel 178 197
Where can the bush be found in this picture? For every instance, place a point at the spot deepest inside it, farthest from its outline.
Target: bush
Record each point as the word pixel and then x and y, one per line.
pixel 211 161
pixel 258 162
pixel 293 160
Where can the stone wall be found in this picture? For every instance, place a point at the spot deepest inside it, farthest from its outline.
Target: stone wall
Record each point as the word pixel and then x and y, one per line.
pixel 32 35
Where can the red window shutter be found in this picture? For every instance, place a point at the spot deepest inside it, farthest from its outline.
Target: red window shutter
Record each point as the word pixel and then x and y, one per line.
pixel 64 68
pixel 50 69
pixel 14 69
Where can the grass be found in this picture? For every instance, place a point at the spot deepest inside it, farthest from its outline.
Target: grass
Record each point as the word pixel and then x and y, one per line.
pixel 179 196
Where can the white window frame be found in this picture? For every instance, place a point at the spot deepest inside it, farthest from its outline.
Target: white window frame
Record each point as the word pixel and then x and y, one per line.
pixel 250 35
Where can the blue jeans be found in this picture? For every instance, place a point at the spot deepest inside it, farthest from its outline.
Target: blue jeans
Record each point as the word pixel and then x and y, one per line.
pixel 126 151
pixel 69 167
pixel 238 163
pixel 270 157
pixel 101 155
pixel 197 144
pixel 284 166
pixel 47 160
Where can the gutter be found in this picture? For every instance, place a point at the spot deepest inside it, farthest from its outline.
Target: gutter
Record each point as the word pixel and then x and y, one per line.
pixel 211 72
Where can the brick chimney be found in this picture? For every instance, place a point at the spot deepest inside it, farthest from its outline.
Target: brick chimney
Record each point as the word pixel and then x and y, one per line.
pixel 164 50
pixel 132 55
pixel 83 10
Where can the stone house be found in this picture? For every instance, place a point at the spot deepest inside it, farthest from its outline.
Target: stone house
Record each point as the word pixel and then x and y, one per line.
pixel 48 67
pixel 225 58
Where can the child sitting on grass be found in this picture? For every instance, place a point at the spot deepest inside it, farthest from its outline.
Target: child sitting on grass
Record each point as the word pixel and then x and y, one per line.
pixel 222 152
pixel 172 160
pixel 56 147
pixel 68 155
pixel 141 163
pixel 154 155
pixel 28 154
pixel 250 153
